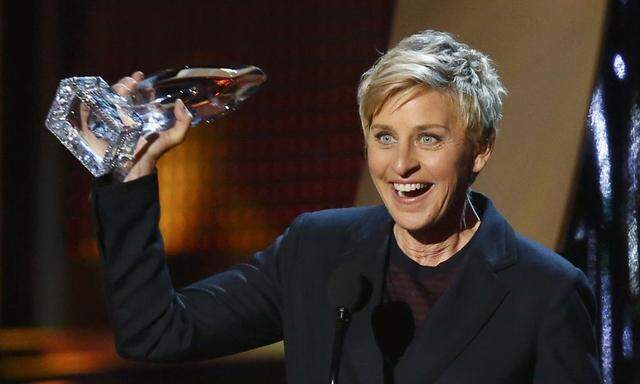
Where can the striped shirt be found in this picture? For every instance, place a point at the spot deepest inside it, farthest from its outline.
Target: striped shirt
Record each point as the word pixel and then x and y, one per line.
pixel 416 285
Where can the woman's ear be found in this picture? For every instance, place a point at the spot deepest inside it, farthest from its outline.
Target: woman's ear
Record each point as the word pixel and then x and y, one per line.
pixel 483 153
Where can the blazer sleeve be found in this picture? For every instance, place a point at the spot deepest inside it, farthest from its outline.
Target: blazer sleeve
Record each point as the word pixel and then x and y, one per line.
pixel 567 348
pixel 232 311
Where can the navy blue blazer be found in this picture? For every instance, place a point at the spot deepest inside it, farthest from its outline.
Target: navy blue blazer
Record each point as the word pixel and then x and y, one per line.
pixel 516 312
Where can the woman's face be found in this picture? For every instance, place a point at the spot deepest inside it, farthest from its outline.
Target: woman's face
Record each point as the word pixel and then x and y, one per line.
pixel 420 159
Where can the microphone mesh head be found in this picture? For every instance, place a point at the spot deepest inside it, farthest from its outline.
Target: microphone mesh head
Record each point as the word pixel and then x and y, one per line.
pixel 348 288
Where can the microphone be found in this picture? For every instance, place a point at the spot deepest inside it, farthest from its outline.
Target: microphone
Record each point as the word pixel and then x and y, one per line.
pixel 393 329
pixel 348 291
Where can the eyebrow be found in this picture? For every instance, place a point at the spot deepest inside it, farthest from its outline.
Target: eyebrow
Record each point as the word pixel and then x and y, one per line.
pixel 421 127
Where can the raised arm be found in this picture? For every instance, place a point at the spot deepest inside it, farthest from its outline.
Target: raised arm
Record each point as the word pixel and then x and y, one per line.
pixel 228 312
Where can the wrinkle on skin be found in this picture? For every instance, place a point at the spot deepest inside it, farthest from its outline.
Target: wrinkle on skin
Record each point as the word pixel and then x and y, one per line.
pixel 419 137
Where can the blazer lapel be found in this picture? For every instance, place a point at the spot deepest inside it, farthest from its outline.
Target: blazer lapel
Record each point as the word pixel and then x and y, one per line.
pixel 466 306
pixel 455 319
pixel 361 360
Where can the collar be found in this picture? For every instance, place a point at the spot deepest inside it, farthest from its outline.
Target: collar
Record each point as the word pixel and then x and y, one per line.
pixel 493 242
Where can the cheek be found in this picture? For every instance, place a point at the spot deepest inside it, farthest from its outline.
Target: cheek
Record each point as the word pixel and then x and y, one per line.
pixel 376 163
pixel 442 166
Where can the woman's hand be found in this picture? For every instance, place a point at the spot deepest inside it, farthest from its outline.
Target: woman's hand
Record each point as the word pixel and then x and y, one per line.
pixel 150 149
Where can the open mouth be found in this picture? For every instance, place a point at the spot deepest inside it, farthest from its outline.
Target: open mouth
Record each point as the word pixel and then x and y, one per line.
pixel 408 191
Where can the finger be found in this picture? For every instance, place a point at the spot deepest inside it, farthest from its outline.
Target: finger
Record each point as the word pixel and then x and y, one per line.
pixel 137 76
pixel 128 81
pixel 121 89
pixel 143 145
pixel 84 117
pixel 125 86
pixel 183 121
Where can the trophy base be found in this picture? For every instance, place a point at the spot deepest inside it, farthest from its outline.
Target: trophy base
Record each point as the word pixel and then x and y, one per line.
pixel 97 125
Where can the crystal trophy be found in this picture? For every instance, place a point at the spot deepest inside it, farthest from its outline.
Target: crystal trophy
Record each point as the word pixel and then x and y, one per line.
pixel 102 128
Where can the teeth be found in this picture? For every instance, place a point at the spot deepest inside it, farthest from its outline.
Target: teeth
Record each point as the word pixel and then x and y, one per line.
pixel 408 187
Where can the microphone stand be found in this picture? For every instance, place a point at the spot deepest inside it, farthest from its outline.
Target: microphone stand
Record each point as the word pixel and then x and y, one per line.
pixel 342 321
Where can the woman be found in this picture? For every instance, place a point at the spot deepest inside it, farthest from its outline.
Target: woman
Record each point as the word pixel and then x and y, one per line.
pixel 479 303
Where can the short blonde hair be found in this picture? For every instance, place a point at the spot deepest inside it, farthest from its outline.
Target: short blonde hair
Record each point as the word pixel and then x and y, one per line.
pixel 434 59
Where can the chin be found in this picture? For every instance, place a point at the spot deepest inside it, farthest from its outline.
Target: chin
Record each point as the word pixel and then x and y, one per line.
pixel 411 222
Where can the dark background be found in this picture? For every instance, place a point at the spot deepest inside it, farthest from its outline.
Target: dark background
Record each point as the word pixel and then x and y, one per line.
pixel 231 188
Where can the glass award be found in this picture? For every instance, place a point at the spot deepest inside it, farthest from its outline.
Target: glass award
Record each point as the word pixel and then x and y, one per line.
pixel 102 128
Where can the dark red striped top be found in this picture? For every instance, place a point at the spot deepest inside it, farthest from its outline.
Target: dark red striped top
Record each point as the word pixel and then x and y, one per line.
pixel 417 285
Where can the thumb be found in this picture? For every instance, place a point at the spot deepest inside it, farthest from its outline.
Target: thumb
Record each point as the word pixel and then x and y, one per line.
pixel 183 121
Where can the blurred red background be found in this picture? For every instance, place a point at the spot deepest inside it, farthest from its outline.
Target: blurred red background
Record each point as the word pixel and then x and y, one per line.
pixel 228 191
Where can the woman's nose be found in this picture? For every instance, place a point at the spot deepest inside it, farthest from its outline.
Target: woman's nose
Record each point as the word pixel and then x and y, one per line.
pixel 405 162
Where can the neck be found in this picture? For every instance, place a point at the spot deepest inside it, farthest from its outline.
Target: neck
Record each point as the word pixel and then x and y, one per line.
pixel 437 244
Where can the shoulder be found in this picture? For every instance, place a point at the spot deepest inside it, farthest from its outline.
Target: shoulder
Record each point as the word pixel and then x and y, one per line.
pixel 547 270
pixel 538 258
pixel 336 219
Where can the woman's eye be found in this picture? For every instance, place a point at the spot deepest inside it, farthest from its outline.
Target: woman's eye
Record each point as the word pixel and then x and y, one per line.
pixel 428 140
pixel 385 138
